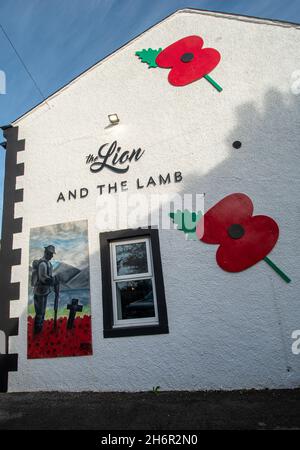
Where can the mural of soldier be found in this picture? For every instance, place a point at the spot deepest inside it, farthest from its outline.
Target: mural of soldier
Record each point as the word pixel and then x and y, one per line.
pixel 42 282
pixel 59 311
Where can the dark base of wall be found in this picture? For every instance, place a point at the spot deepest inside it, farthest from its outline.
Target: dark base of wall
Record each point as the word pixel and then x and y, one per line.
pixel 148 411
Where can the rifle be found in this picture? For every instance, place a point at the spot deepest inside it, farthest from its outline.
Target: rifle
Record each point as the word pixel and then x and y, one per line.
pixel 56 291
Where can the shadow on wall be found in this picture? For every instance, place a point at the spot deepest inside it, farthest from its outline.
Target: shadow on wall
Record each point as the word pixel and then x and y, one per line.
pixel 265 170
pixel 265 134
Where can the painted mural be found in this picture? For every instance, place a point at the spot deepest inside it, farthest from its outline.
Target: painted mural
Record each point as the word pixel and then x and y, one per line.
pixel 59 311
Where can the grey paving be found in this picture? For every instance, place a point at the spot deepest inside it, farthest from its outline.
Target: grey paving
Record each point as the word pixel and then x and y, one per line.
pixel 268 409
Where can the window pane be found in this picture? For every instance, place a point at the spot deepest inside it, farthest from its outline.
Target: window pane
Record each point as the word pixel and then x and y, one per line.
pixel 135 299
pixel 131 258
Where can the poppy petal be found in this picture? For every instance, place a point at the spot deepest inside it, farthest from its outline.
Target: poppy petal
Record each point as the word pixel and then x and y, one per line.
pixel 233 209
pixel 204 62
pixel 171 55
pixel 261 234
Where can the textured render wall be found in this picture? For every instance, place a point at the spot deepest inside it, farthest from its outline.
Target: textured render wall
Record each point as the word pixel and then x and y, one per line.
pixel 226 330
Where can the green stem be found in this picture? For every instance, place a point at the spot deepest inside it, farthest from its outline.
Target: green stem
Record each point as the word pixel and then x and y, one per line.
pixel 279 271
pixel 213 82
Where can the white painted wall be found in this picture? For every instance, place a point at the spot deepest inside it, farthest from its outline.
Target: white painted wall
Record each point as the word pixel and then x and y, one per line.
pixel 227 331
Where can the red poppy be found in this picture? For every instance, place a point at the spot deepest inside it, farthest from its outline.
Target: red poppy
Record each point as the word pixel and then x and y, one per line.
pixel 244 239
pixel 188 60
pixel 61 341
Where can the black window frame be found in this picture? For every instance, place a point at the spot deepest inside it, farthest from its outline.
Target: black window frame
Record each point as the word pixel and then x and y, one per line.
pixel 107 300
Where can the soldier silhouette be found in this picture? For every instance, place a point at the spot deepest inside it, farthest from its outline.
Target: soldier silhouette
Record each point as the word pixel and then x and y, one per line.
pixel 42 280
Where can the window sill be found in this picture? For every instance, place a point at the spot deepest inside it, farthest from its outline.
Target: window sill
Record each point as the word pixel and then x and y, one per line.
pixel 136 331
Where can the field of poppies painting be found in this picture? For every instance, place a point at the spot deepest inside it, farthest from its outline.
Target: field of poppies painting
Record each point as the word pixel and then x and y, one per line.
pixel 59 313
pixel 52 342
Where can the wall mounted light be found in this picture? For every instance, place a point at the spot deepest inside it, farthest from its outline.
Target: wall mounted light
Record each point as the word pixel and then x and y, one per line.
pixel 114 119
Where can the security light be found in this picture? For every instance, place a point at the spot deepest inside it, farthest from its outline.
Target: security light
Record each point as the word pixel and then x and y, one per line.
pixel 114 119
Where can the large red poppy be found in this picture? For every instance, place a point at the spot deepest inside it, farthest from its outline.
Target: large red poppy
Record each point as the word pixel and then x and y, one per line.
pixel 244 239
pixel 188 60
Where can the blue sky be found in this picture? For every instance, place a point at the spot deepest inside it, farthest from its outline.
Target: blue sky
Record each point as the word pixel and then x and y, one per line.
pixel 59 39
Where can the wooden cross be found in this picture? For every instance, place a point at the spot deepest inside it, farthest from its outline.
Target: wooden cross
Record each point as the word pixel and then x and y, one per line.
pixel 74 308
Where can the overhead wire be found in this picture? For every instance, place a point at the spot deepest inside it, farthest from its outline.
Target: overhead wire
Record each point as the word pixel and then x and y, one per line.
pixel 23 64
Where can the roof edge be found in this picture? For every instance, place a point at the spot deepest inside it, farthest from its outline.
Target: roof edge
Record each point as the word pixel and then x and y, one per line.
pixel 234 16
pixel 230 16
